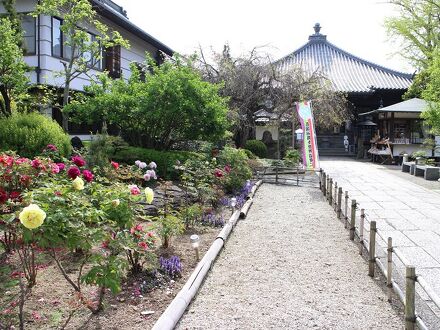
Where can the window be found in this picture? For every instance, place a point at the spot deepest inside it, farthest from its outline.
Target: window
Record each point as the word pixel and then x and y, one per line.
pixel 112 61
pixel 57 38
pixel 61 47
pixel 28 24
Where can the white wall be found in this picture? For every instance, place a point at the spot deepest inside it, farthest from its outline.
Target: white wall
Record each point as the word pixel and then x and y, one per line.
pixel 50 65
pixel 270 128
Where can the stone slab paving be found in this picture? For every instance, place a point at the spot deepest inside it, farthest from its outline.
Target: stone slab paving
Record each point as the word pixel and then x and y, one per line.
pixel 409 209
pixel 290 265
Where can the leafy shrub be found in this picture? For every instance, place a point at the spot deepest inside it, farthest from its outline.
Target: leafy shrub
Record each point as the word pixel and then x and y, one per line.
pixel 102 148
pixel 250 154
pixel 168 225
pixel 29 134
pixel 292 157
pixel 257 147
pixel 191 214
pixel 240 171
pixel 165 160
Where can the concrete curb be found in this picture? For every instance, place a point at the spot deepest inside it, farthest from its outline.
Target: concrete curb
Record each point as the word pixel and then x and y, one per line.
pixel 171 316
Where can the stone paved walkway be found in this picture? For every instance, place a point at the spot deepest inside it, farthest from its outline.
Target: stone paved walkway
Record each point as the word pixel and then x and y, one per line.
pixel 290 265
pixel 407 211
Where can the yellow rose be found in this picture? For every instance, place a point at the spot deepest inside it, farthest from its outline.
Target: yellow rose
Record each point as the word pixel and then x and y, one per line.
pixel 149 195
pixel 32 216
pixel 116 202
pixel 78 183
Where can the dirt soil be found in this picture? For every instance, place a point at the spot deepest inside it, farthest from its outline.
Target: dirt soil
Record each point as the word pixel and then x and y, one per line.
pixel 52 300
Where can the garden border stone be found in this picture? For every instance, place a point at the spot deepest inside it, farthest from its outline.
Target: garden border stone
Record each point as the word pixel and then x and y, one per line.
pixel 171 316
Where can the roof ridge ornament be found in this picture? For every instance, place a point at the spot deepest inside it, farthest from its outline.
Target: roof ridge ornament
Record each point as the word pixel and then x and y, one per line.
pixel 317 36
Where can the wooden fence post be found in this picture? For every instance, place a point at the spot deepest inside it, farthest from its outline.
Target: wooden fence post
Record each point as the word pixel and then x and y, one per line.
pixel 276 173
pixel 361 231
pixel 390 268
pixel 320 177
pixel 372 256
pixel 330 190
pixel 339 202
pixel 335 201
pixel 346 210
pixel 353 219
pixel 324 183
pixel 410 308
pixel 328 186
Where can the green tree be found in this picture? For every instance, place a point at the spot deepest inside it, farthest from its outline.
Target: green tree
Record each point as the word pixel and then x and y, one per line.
pixel 13 80
pixel 85 53
pixel 417 29
pixel 172 104
pixel 432 93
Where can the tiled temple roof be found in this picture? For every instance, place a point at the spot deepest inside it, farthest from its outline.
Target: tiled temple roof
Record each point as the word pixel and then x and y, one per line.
pixel 347 72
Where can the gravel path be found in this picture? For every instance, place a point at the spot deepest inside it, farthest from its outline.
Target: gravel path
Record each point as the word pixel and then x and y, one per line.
pixel 290 265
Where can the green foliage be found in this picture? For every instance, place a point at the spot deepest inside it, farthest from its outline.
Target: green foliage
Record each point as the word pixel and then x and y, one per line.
pixel 103 148
pixel 240 169
pixel 292 157
pixel 191 214
pixel 29 134
pixel 167 226
pixel 173 104
pixel 165 160
pixel 432 93
pixel 417 28
pixel 257 147
pixel 250 154
pixel 13 80
pixel 84 54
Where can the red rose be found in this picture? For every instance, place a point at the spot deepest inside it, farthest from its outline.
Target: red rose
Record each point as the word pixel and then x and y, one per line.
pixel 14 195
pixel 73 172
pixel 218 173
pixel 25 180
pixel 61 166
pixel 3 196
pixel 115 165
pixel 228 169
pixel 36 163
pixel 79 161
pixel 87 175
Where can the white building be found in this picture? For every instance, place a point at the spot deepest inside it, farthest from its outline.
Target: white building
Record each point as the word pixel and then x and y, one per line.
pixel 45 51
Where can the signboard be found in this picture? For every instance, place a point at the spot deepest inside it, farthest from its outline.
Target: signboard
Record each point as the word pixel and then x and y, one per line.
pixel 310 147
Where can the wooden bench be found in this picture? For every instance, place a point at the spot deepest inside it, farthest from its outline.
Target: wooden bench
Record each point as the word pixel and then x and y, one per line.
pixel 428 172
pixel 406 167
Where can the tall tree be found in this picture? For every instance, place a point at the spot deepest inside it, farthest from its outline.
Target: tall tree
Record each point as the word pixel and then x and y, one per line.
pixel 84 52
pixel 417 29
pixel 432 93
pixel 13 80
pixel 252 81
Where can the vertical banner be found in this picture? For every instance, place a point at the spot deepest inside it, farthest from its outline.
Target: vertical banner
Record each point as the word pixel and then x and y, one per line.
pixel 310 146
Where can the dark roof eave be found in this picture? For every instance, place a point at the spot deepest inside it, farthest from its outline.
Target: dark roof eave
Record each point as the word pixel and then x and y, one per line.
pixel 129 26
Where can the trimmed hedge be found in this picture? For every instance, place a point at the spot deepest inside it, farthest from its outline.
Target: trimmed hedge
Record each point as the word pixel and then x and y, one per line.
pixel 28 134
pixel 257 147
pixel 165 160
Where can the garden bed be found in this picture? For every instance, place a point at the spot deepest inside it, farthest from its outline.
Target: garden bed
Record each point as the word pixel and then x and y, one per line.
pixel 53 300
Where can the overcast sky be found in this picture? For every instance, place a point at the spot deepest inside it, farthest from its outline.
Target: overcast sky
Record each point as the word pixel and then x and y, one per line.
pixel 356 26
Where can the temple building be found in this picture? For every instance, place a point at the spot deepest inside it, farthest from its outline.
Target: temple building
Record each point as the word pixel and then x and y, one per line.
pixel 367 86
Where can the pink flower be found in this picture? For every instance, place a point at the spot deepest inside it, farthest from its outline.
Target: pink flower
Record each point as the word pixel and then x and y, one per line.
pixel 61 166
pixel 218 173
pixel 36 163
pixel 87 175
pixel 152 165
pixel 115 165
pixel 55 169
pixel 147 177
pixel 152 174
pixel 79 161
pixel 73 172
pixel 51 147
pixel 3 196
pixel 36 316
pixel 143 245
pixel 228 169
pixel 58 193
pixel 20 161
pixel 142 165
pixel 134 190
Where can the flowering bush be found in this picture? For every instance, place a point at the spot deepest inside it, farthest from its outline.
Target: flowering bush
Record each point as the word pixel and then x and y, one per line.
pixel 171 266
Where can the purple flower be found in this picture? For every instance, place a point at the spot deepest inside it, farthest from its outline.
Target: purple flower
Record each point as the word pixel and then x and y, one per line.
pixel 171 267
pixel 147 177
pixel 142 165
pixel 152 174
pixel 152 165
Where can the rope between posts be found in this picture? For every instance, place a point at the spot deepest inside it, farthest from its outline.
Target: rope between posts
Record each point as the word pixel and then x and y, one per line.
pixel 345 214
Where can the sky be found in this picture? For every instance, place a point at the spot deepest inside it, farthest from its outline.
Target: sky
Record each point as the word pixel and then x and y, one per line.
pixel 282 26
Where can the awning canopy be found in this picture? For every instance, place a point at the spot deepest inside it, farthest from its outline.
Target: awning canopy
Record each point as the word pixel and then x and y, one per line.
pixel 414 105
